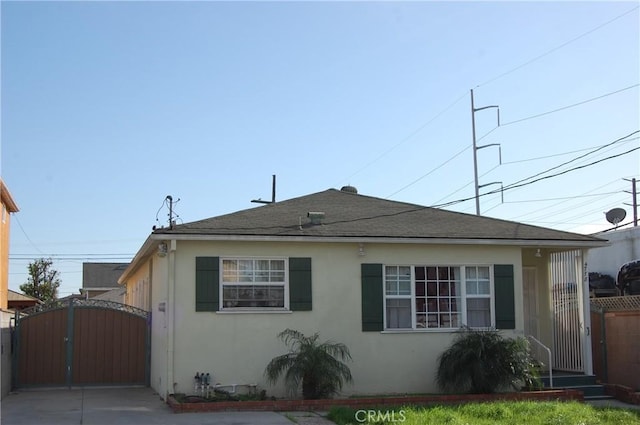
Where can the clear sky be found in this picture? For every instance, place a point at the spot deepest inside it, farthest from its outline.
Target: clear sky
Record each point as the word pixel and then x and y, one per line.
pixel 108 107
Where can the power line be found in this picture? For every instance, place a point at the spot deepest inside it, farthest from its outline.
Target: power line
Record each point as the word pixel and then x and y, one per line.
pixel 604 206
pixel 569 106
pixel 523 182
pixel 575 159
pixel 420 208
pixel 25 234
pixel 512 185
pixel 569 170
pixel 77 255
pixel 430 172
pixel 573 207
pixel 593 150
pixel 413 133
pixel 563 153
pixel 73 258
pixel 548 52
pixel 616 227
pixel 67 257
pixel 466 185
pixel 550 156
pixel 563 201
pixel 562 198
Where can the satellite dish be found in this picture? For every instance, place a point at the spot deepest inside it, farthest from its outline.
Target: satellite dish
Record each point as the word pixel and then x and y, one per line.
pixel 615 215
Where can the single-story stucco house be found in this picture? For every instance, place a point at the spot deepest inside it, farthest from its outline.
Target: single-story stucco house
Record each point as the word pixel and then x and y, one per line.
pixel 393 281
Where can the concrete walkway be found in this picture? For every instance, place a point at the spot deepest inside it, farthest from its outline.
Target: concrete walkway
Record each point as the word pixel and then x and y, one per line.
pixel 612 403
pixel 141 406
pixel 116 406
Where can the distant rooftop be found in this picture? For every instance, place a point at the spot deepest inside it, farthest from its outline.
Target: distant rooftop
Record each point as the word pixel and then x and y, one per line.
pixel 102 275
pixel 17 296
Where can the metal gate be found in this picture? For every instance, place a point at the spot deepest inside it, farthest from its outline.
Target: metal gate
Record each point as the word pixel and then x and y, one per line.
pixel 81 342
pixel 566 291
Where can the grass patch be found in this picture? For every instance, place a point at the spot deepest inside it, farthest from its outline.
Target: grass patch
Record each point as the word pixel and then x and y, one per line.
pixel 496 413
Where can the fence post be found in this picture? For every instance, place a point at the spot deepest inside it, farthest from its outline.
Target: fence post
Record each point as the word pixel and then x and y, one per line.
pixel 605 363
pixel 147 354
pixel 15 350
pixel 69 345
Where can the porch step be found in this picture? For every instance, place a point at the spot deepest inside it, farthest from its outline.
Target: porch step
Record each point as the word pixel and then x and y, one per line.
pixel 585 383
pixel 563 380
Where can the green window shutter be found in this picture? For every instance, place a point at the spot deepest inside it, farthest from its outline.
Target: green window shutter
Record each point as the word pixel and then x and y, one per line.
pixel 207 283
pixel 505 299
pixel 300 284
pixel 372 298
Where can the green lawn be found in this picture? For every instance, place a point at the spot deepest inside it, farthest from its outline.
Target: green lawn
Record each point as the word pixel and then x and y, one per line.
pixel 497 413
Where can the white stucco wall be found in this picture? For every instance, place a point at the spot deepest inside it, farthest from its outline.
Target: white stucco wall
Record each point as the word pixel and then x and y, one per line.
pixel 159 325
pixel 236 347
pixel 625 247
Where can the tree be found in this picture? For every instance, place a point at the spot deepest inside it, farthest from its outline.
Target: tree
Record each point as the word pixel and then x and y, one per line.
pixel 319 367
pixel 482 361
pixel 43 280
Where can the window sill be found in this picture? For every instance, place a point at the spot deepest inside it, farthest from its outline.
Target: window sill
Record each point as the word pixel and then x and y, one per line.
pixel 256 311
pixel 420 331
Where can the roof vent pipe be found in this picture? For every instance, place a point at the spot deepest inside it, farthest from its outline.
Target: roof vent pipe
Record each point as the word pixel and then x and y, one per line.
pixel 349 189
pixel 315 217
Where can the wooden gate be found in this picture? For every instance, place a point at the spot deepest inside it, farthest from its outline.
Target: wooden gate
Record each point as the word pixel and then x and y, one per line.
pixel 81 342
pixel 616 339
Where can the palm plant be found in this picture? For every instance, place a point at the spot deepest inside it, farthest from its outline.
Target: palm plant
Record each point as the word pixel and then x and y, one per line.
pixel 319 367
pixel 482 361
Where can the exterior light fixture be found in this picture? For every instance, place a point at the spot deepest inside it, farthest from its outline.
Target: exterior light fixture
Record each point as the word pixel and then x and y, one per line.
pixel 162 249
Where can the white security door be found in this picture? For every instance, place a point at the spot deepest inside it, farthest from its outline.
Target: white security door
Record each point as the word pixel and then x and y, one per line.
pixel 566 294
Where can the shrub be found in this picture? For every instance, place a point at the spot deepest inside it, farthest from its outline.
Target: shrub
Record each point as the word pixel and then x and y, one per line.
pixel 482 361
pixel 319 367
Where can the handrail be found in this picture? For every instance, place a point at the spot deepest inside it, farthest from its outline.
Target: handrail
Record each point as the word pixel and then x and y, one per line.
pixel 548 350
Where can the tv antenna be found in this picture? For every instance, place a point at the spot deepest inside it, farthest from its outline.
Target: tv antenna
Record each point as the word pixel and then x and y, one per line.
pixel 273 193
pixel 615 216
pixel 170 203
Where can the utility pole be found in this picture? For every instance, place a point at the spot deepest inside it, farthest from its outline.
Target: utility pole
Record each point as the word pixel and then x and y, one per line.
pixel 476 148
pixel 634 201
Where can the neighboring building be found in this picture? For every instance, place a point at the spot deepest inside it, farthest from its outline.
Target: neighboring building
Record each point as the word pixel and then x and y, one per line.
pixel 624 247
pixel 391 280
pixel 72 297
pixel 116 295
pixel 8 206
pixel 100 278
pixel 18 301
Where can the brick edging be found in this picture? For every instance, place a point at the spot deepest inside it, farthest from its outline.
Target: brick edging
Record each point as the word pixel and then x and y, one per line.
pixel 622 393
pixel 315 405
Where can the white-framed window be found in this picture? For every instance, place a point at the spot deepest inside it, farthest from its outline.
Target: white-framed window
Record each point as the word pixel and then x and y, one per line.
pixel 254 283
pixel 438 297
pixel 478 296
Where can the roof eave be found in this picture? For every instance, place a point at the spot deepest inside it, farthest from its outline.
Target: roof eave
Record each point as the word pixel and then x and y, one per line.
pixel 564 243
pixel 145 250
pixel 7 199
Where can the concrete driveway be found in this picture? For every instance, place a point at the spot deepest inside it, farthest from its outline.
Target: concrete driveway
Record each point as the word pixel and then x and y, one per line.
pixel 114 406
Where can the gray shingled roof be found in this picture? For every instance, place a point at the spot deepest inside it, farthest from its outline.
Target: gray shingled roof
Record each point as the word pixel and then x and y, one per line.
pixel 354 215
pixel 102 275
